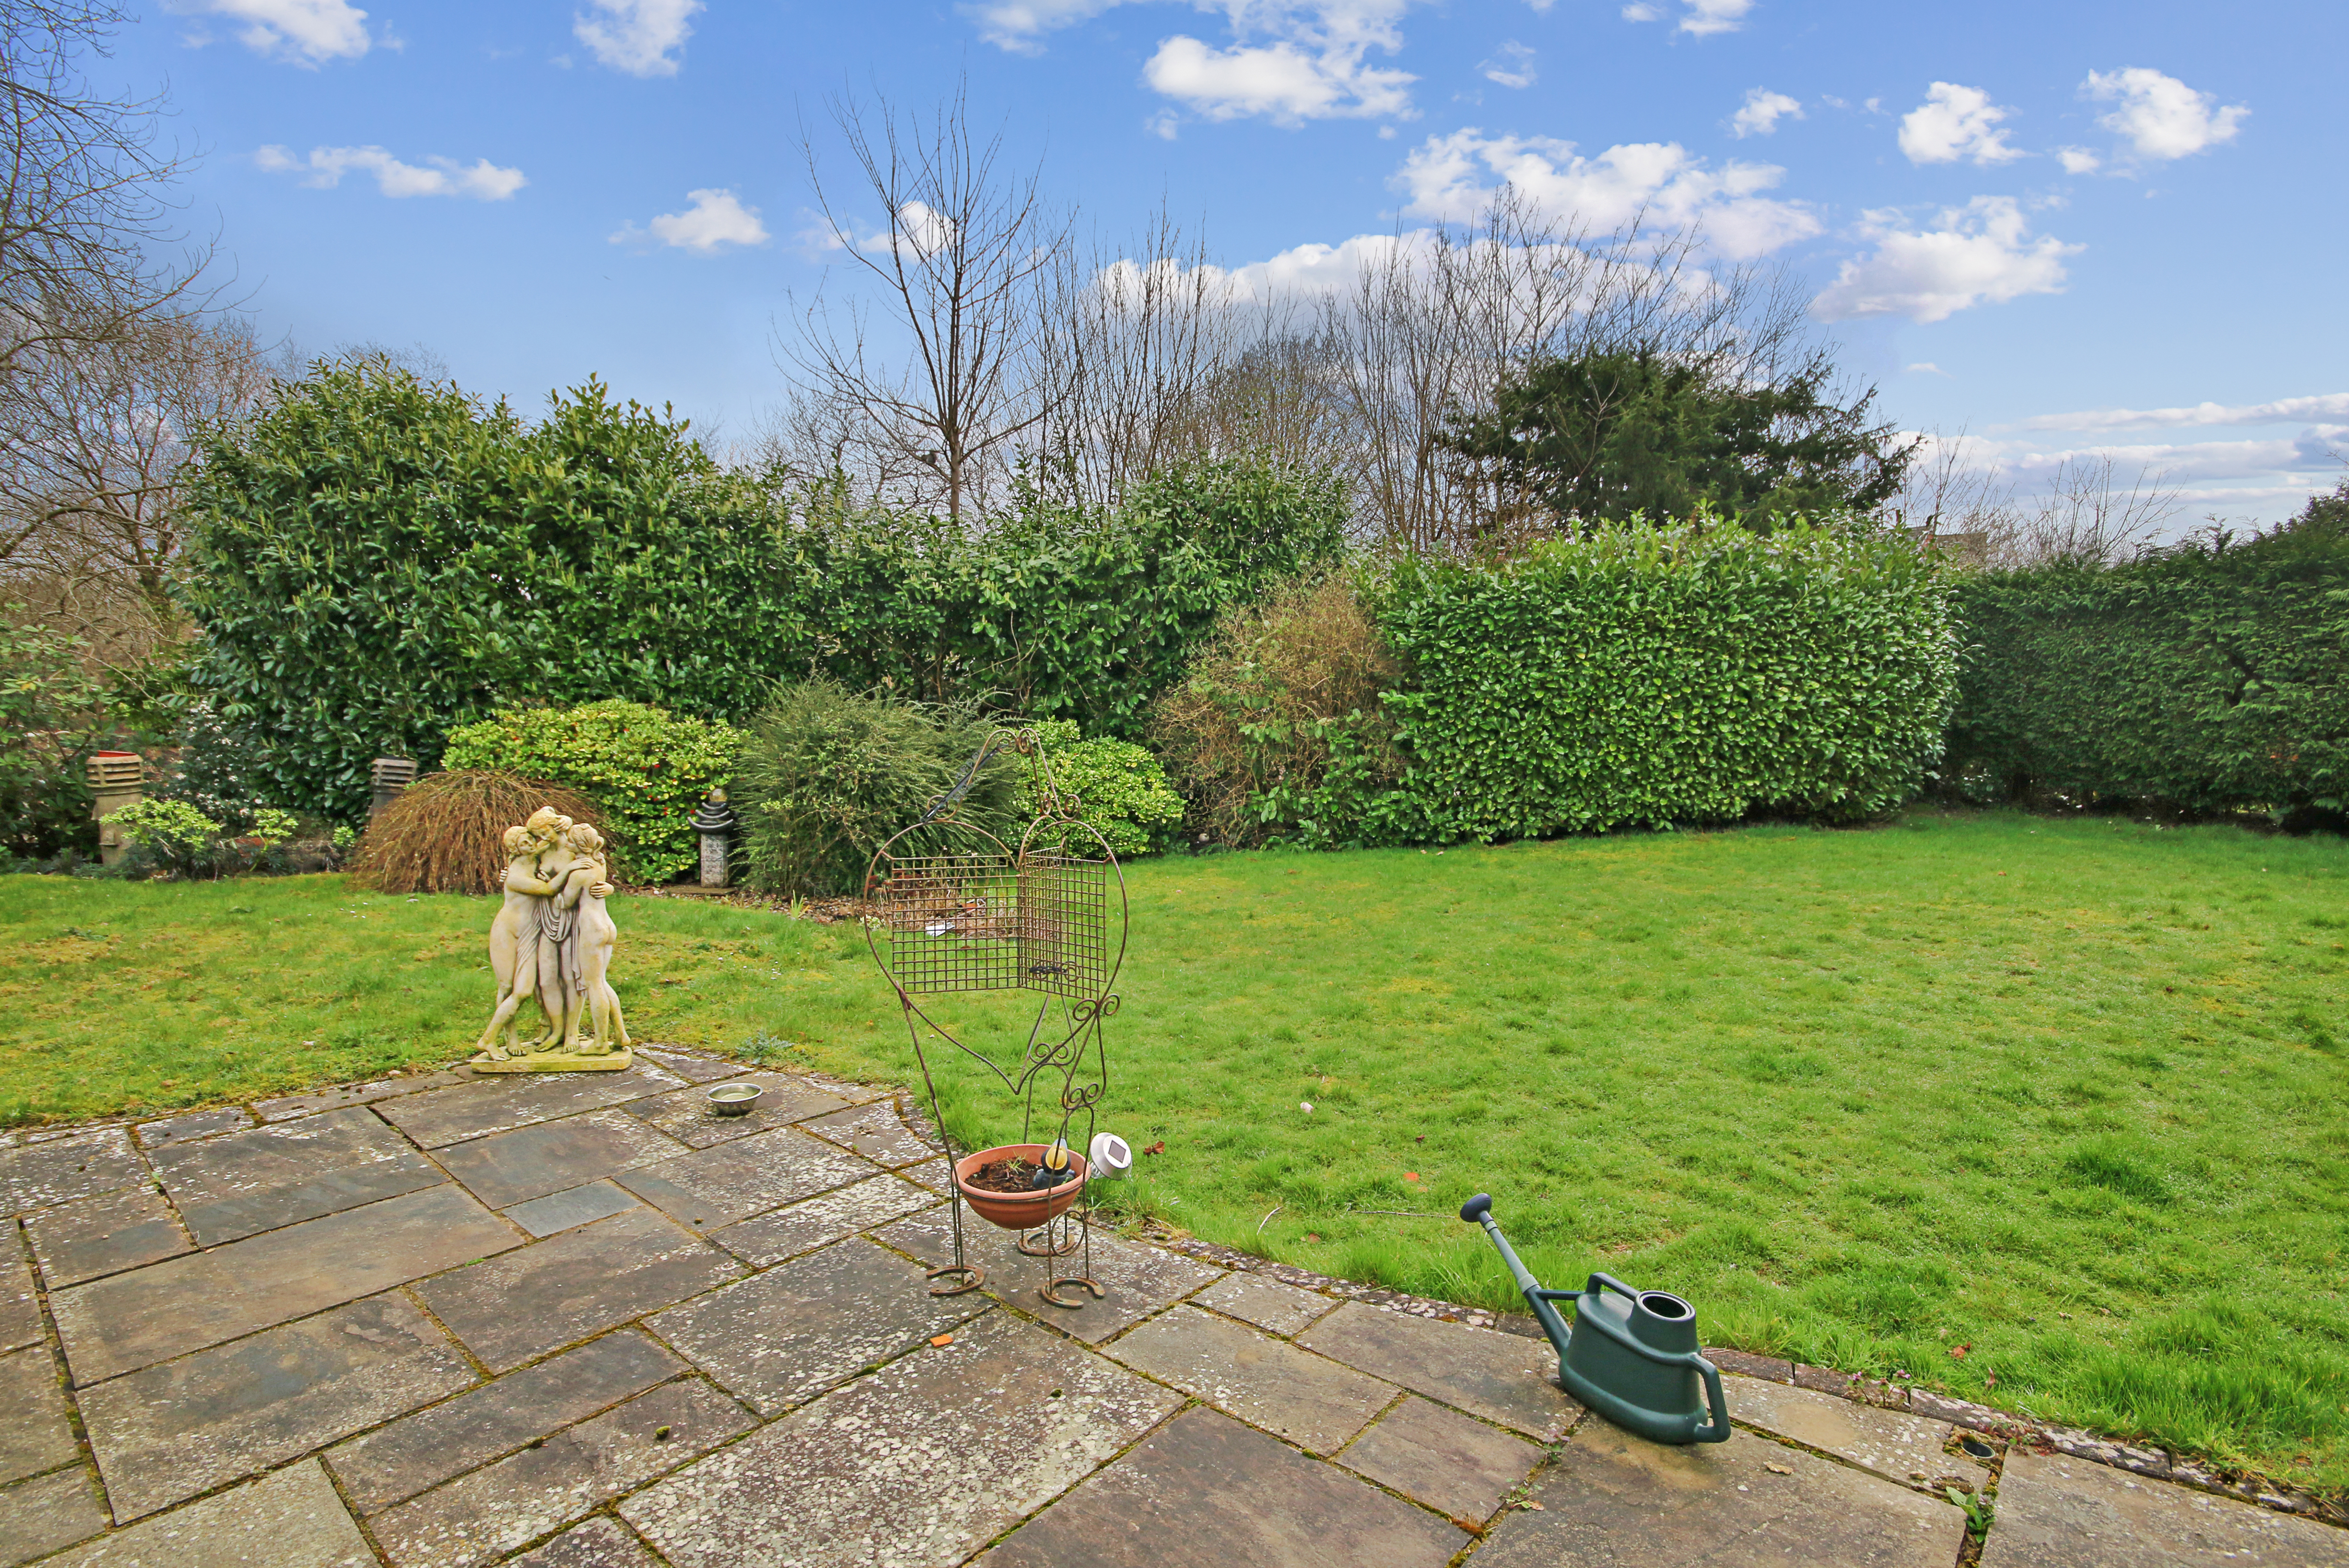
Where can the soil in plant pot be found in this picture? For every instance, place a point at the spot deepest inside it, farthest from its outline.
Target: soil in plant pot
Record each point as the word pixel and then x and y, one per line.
pixel 1012 1174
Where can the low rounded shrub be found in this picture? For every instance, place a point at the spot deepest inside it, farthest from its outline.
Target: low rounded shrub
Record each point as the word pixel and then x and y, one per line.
pixel 1120 789
pixel 445 832
pixel 644 768
pixel 826 774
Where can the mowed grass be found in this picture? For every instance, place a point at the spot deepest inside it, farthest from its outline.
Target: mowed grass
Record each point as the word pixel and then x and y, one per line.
pixel 2066 1097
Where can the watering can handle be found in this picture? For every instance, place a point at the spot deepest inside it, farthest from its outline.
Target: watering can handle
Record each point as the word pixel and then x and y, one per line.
pixel 1609 1282
pixel 1718 1431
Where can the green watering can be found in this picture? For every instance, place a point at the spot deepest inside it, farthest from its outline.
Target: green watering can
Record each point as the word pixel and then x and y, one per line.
pixel 1631 1355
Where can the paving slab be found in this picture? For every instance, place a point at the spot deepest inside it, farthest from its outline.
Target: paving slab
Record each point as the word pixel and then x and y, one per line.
pixel 166 1433
pixel 1206 1491
pixel 936 1175
pixel 289 1519
pixel 685 1115
pixel 1282 1309
pixel 1504 1377
pixel 47 1513
pixel 920 1463
pixel 104 1235
pixel 713 1187
pixel 170 1130
pixel 691 1069
pixel 127 1321
pixel 286 1108
pixel 431 1445
pixel 75 1165
pixel 508 1167
pixel 490 1511
pixel 817 1222
pixel 514 1308
pixel 35 1433
pixel 242 1183
pixel 598 1543
pixel 1902 1448
pixel 1456 1465
pixel 877 1131
pixel 579 1206
pixel 1314 1402
pixel 1614 1501
pixel 781 1336
pixel 20 1308
pixel 2056 1511
pixel 1138 1280
pixel 503 1102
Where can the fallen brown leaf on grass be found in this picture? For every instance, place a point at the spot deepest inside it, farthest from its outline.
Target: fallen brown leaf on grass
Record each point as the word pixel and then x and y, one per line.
pixel 1157 1147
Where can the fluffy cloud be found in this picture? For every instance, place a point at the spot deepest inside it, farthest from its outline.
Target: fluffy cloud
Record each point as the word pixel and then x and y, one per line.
pixel 1287 83
pixel 1981 253
pixel 2284 410
pixel 1019 24
pixel 715 219
pixel 2078 160
pixel 1699 18
pixel 1762 112
pixel 1515 69
pixel 1955 122
pixel 637 35
pixel 1450 178
pixel 325 166
pixel 305 32
pixel 2160 117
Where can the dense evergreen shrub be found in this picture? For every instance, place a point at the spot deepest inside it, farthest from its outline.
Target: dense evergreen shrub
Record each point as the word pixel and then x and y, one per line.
pixel 1657 676
pixel 644 770
pixel 1119 788
pixel 2208 676
pixel 826 775
pixel 50 718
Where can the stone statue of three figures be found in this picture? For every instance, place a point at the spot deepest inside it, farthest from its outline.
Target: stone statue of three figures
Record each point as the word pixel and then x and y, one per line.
pixel 552 943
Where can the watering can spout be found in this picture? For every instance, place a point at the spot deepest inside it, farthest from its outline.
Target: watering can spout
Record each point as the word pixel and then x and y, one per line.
pixel 1636 1360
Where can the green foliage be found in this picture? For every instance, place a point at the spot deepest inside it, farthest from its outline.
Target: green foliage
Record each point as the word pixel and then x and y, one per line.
pixel 272 826
pixel 2212 676
pixel 1618 434
pixel 1654 676
pixel 49 720
pixel 644 770
pixel 825 775
pixel 1120 787
pixel 171 832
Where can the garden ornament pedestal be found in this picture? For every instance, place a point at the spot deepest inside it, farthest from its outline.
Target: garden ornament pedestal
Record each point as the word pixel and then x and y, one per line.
pixel 552 943
pixel 714 821
pixel 957 910
pixel 387 777
pixel 118 779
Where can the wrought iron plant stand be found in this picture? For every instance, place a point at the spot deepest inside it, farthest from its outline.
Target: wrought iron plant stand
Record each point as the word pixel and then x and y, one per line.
pixel 954 909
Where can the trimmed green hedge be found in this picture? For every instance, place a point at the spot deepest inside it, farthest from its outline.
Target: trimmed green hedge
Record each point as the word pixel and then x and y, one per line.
pixel 1647 676
pixel 2208 677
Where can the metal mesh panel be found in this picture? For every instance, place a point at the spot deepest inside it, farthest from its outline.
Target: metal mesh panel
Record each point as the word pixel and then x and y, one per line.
pixel 1063 924
pixel 952 922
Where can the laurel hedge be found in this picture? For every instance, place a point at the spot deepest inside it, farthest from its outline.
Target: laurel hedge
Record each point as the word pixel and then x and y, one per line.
pixel 2208 677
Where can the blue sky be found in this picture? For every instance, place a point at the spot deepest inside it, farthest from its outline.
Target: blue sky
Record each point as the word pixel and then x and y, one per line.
pixel 2061 228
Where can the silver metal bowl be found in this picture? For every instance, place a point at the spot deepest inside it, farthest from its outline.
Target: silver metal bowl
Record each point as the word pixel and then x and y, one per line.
pixel 734 1099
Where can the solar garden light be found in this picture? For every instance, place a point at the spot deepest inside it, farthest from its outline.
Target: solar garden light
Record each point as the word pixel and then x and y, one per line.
pixel 714 821
pixel 1631 1355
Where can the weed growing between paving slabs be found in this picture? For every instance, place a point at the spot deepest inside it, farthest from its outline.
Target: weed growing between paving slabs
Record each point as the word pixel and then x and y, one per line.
pixel 2062 1096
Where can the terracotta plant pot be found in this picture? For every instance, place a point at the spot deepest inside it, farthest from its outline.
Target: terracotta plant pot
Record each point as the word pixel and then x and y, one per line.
pixel 1019 1210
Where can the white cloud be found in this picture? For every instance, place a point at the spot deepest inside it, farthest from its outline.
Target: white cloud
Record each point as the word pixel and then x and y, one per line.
pixel 715 220
pixel 2284 410
pixel 1286 83
pixel 1923 368
pixel 2161 116
pixel 1702 18
pixel 1445 177
pixel 325 166
pixel 2182 461
pixel 637 35
pixel 1017 25
pixel 305 32
pixel 1955 122
pixel 1762 112
pixel 1983 253
pixel 1515 69
pixel 2078 160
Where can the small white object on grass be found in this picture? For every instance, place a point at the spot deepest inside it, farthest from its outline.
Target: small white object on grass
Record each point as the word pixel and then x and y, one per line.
pixel 1305 1105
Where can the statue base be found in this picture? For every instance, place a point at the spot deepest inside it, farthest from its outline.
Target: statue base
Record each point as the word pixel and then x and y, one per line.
pixel 555 1062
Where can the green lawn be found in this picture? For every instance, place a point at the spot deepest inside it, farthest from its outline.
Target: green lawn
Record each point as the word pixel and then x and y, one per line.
pixel 2064 1095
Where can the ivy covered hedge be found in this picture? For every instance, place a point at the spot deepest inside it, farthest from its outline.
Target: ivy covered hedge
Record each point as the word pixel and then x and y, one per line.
pixel 376 559
pixel 1646 677
pixel 2210 676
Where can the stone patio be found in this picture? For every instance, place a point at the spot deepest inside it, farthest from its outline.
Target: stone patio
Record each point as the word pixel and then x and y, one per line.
pixel 580 1323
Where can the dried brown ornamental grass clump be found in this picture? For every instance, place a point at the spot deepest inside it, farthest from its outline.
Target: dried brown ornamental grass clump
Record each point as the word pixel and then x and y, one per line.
pixel 445 833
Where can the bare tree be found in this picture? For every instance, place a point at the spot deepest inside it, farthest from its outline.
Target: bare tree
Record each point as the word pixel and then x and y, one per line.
pixel 959 249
